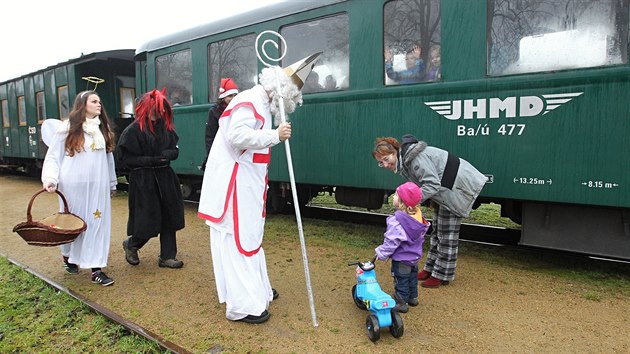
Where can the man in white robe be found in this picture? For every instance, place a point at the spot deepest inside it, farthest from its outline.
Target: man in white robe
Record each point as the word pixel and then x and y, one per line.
pixel 234 189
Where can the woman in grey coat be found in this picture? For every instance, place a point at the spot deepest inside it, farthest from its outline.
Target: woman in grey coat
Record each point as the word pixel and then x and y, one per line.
pixel 451 183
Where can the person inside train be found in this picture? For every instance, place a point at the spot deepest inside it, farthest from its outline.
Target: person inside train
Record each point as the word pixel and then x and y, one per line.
pixel 414 66
pixel 147 147
pixel 402 243
pixel 227 90
pixel 451 183
pixel 330 84
pixel 312 83
pixel 233 192
pixel 80 164
pixel 434 69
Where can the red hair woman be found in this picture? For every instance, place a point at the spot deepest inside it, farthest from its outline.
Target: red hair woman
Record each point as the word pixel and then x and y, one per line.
pixel 146 147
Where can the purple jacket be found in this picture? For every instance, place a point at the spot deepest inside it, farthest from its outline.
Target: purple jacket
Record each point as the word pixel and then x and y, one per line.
pixel 403 239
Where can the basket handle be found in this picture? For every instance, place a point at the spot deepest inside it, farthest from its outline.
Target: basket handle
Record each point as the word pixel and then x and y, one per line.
pixel 29 217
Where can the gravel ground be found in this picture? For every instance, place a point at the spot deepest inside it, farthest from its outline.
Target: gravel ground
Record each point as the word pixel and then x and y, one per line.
pixel 488 308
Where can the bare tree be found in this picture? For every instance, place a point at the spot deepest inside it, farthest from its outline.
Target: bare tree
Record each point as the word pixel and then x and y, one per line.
pixel 412 22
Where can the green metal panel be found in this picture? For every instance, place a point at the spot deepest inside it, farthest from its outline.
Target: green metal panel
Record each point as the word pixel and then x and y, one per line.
pixel 38 80
pixel 465 57
pixel 61 76
pixel 200 72
pixel 362 44
pixel 190 124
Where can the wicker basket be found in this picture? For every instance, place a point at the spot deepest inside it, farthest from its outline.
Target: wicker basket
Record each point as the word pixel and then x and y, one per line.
pixel 54 230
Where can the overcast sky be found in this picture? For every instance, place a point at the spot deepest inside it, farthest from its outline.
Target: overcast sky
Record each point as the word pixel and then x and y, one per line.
pixel 40 33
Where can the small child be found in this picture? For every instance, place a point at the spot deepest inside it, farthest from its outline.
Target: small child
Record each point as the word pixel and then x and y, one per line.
pixel 403 244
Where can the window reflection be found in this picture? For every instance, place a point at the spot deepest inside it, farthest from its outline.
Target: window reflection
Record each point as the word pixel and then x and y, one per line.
pixel 64 102
pixel 127 99
pixel 41 106
pixel 174 71
pixel 21 110
pixel 5 114
pixel 232 58
pixel 539 35
pixel 412 41
pixel 329 35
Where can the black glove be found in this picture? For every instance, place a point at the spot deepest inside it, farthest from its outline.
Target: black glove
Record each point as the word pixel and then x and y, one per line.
pixel 170 154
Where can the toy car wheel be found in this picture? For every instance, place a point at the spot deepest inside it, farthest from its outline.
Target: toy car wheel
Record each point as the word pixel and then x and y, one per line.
pixel 397 328
pixel 373 329
pixel 360 304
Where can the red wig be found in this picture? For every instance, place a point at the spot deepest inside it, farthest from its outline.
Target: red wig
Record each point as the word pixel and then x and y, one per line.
pixel 154 104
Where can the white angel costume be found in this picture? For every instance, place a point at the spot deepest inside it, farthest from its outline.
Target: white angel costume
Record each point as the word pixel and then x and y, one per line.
pixel 86 180
pixel 232 202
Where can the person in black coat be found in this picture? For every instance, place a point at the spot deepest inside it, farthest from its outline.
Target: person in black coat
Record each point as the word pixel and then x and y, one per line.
pixel 227 91
pixel 146 147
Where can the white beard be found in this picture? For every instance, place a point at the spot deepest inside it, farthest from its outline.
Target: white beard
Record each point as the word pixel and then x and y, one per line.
pixel 292 97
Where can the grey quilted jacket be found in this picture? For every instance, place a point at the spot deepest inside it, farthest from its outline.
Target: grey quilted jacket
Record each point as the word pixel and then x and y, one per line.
pixel 425 166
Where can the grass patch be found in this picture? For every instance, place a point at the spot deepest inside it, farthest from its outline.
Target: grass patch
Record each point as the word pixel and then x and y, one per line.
pixel 36 318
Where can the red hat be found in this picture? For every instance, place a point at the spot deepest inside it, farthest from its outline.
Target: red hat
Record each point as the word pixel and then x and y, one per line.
pixel 409 193
pixel 228 87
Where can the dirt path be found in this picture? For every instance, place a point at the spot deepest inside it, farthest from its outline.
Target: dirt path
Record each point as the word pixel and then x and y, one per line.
pixel 488 308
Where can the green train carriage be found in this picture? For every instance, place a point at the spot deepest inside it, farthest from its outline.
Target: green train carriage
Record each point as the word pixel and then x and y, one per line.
pixel 533 93
pixel 49 93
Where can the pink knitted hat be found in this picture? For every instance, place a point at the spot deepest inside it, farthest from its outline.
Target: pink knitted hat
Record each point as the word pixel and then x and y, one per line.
pixel 409 193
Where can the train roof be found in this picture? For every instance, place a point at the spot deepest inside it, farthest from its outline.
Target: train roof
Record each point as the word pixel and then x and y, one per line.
pixel 118 54
pixel 259 15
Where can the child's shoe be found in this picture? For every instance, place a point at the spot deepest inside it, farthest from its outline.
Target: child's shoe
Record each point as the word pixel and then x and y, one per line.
pixel 413 302
pixel 401 305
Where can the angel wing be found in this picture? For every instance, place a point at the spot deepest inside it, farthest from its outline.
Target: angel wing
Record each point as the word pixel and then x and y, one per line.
pixel 49 128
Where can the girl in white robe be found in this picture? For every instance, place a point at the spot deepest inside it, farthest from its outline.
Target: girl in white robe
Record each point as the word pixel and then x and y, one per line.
pixel 80 163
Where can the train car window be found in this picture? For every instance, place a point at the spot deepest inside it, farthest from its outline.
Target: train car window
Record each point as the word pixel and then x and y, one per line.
pixel 412 41
pixel 174 71
pixel 233 58
pixel 64 102
pixel 21 110
pixel 127 99
pixel 533 36
pixel 5 114
pixel 41 106
pixel 329 35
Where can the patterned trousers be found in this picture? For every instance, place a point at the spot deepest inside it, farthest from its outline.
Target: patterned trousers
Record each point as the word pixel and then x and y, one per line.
pixel 442 256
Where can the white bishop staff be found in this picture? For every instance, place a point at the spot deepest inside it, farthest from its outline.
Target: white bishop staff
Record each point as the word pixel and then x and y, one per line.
pixel 297 72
